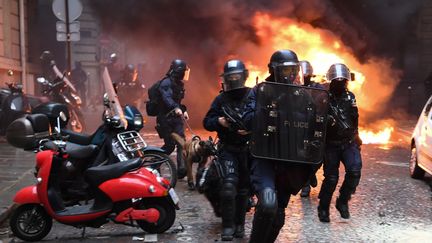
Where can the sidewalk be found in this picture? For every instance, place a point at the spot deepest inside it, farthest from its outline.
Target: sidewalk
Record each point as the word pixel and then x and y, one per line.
pixel 16 172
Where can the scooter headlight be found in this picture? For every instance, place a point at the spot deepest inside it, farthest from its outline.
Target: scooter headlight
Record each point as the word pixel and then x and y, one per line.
pixel 138 121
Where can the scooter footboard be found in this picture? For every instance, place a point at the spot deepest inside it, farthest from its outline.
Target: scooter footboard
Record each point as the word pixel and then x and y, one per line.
pixel 27 195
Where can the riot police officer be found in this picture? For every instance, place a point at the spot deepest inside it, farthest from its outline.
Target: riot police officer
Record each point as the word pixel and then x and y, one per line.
pixel 342 144
pixel 274 181
pixel 172 111
pixel 130 89
pixel 233 153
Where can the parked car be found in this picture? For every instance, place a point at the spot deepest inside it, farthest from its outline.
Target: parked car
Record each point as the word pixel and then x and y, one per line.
pixel 421 144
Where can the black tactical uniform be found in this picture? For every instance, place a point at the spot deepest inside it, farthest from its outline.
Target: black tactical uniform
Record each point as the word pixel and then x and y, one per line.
pixel 233 153
pixel 274 181
pixel 342 144
pixel 172 93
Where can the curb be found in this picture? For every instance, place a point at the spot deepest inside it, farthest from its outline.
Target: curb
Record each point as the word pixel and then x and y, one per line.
pixel 5 214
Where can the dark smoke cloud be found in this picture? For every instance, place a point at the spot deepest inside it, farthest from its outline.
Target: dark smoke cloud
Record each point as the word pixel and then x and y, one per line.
pixel 207 32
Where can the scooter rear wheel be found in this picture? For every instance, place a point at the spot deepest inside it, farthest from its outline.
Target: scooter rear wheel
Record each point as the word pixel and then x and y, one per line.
pixel 167 215
pixel 30 222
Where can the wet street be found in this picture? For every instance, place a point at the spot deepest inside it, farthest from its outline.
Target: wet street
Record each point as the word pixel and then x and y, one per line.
pixel 388 206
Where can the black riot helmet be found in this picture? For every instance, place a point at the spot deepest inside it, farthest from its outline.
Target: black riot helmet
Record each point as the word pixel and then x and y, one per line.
pixel 234 75
pixel 179 70
pixel 338 75
pixel 130 73
pixel 284 66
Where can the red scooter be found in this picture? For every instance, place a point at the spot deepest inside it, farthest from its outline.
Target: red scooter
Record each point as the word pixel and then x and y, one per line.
pixel 123 193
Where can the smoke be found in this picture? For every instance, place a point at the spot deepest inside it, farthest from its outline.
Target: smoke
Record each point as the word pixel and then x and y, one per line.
pixel 207 33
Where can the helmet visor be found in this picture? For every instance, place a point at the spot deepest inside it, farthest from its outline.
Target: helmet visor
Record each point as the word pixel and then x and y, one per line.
pixel 186 74
pixel 288 73
pixel 233 81
pixel 339 72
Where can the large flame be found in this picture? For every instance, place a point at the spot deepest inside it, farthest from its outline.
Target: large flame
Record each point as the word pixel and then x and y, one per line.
pixel 323 48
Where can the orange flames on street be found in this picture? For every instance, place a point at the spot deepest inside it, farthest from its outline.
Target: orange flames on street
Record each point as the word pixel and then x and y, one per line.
pixel 375 80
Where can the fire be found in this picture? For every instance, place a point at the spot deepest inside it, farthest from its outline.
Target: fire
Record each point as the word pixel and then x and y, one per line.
pixel 323 48
pixel 380 137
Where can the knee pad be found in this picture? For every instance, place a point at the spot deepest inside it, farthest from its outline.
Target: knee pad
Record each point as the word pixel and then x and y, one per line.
pixel 228 190
pixel 330 182
pixel 328 187
pixel 352 179
pixel 267 202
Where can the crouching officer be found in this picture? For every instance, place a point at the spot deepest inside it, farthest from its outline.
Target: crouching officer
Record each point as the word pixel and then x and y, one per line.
pixel 342 144
pixel 278 112
pixel 233 153
pixel 172 111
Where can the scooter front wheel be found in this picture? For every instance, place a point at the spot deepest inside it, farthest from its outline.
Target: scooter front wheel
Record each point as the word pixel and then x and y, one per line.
pixel 30 222
pixel 163 164
pixel 167 215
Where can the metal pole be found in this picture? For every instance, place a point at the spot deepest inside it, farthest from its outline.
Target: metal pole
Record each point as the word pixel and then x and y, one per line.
pixel 22 45
pixel 68 47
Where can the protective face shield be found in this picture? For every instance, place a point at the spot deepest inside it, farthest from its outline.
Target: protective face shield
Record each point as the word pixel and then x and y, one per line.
pixel 179 70
pixel 234 75
pixel 307 69
pixel 130 73
pixel 338 71
pixel 288 73
pixel 338 75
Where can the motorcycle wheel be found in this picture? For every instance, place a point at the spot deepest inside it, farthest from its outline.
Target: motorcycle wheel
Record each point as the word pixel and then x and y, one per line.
pixel 76 121
pixel 163 164
pixel 167 215
pixel 30 222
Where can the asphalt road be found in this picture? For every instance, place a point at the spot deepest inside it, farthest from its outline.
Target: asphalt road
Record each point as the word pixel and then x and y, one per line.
pixel 388 206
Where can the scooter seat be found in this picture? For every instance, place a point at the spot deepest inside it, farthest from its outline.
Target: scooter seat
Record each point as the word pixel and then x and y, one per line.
pixel 76 151
pixel 99 174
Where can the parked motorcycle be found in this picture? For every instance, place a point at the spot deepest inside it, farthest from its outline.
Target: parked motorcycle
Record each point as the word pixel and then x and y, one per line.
pixel 123 193
pixel 14 103
pixel 61 90
pixel 118 138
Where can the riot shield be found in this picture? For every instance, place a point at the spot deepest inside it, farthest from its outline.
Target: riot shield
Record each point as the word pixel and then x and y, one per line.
pixel 290 123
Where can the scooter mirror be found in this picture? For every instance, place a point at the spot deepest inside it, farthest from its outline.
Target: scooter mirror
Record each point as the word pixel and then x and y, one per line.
pixel 63 116
pixel 106 100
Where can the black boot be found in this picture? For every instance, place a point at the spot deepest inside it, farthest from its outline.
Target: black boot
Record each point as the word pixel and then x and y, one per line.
pixel 324 213
pixel 342 207
pixel 241 207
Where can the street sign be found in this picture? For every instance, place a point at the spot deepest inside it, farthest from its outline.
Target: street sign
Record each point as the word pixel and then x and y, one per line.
pixel 59 9
pixel 73 26
pixel 75 36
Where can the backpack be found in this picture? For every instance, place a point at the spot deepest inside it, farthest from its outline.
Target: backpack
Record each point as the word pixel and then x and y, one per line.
pixel 152 105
